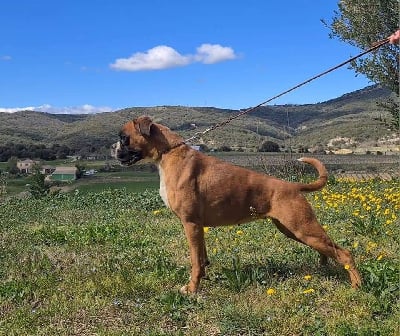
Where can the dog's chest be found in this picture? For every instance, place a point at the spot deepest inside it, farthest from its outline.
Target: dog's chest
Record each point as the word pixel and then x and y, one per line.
pixel 163 187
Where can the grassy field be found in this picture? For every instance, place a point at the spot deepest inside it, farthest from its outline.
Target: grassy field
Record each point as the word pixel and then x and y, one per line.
pixel 131 181
pixel 111 263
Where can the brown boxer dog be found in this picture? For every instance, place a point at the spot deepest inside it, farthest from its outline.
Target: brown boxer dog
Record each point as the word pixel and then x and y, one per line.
pixel 205 191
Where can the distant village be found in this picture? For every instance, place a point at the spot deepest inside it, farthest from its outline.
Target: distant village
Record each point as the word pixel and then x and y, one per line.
pixel 53 173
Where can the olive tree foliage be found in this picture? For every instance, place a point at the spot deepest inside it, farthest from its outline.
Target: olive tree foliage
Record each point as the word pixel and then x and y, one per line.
pixel 38 186
pixel 363 23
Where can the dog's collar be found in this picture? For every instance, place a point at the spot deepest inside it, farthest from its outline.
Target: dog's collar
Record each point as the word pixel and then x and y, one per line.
pixel 173 147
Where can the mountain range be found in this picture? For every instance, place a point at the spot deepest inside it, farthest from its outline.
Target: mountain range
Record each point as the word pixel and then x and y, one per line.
pixel 353 116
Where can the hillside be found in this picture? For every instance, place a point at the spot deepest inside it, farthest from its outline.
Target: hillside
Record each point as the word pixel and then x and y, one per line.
pixel 352 115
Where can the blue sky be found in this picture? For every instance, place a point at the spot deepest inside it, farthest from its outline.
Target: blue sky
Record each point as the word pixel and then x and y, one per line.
pixel 88 56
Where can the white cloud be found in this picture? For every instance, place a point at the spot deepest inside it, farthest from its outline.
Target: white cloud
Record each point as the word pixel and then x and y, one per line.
pixel 214 53
pixel 164 57
pixel 160 57
pixel 5 58
pixel 82 109
pixel 16 109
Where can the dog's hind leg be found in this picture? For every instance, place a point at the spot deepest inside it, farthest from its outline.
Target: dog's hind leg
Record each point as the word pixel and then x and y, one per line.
pixel 198 257
pixel 309 232
pixel 326 247
pixel 205 256
pixel 284 230
pixel 323 260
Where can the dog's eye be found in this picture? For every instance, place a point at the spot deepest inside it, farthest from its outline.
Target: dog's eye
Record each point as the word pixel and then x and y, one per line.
pixel 124 139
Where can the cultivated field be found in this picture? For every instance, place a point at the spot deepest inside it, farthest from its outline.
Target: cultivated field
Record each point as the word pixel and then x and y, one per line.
pixel 111 263
pixel 335 163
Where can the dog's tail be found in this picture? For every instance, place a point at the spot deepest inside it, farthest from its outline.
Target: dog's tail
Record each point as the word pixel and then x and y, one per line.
pixel 322 179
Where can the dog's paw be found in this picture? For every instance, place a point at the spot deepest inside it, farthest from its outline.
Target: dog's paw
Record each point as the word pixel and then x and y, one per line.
pixel 184 290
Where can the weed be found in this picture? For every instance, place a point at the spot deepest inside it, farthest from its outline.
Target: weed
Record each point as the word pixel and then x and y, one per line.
pixel 177 307
pixel 238 278
pixel 371 224
pixel 381 278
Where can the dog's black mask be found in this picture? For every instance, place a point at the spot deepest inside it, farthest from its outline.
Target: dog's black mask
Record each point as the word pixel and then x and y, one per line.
pixel 126 155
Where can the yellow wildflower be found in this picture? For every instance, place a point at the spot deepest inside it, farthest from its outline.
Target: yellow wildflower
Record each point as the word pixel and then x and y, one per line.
pixel 271 291
pixel 308 291
pixel 307 277
pixel 371 245
pixel 347 267
pixel 239 232
pixel 156 212
pixel 206 229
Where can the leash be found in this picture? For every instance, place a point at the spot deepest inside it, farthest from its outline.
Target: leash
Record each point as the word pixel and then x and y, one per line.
pixel 227 121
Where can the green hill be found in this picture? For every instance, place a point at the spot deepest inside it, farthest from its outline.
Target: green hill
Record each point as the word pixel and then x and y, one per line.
pixel 354 115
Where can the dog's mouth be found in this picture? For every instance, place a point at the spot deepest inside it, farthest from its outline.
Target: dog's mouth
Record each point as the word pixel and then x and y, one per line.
pixel 125 155
pixel 129 157
pixel 131 161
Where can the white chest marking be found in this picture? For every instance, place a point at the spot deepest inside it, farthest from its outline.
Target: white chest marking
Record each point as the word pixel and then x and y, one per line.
pixel 163 187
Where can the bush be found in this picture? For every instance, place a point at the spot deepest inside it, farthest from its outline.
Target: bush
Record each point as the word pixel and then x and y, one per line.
pixel 38 186
pixel 269 146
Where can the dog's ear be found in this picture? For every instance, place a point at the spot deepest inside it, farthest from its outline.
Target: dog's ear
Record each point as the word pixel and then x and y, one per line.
pixel 143 124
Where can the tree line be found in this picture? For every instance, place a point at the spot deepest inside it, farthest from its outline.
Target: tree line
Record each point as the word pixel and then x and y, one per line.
pixel 56 151
pixel 34 151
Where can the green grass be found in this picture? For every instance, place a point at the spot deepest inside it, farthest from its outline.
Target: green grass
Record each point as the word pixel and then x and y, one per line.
pixel 131 181
pixel 127 180
pixel 16 185
pixel 137 186
pixel 111 263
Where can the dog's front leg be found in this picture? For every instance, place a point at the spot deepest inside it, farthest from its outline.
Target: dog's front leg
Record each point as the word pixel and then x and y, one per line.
pixel 195 237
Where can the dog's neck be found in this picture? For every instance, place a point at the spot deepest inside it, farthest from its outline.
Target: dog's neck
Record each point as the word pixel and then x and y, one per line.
pixel 167 150
pixel 165 146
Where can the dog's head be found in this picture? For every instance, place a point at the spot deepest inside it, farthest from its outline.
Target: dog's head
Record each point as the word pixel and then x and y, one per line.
pixel 142 139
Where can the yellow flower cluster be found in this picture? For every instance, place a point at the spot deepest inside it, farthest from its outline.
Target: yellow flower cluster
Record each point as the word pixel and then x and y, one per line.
pixel 271 291
pixel 370 248
pixel 365 198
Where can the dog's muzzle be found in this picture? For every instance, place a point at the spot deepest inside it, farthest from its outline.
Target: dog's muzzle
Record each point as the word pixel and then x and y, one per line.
pixel 124 154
